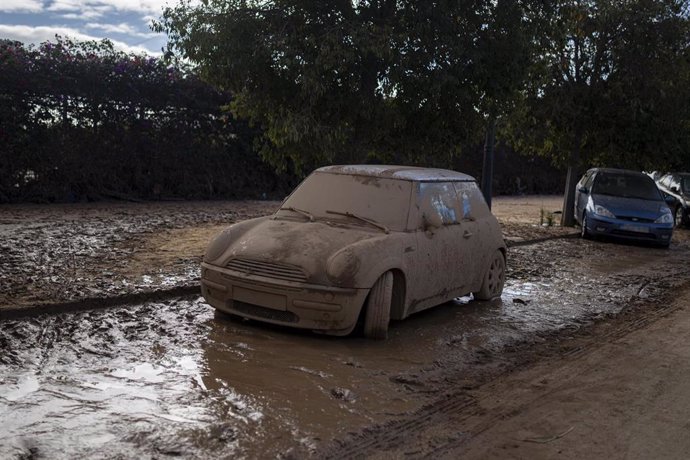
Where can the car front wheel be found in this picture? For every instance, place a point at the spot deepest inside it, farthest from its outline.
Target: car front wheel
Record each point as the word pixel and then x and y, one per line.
pixel 378 311
pixel 494 278
pixel 584 233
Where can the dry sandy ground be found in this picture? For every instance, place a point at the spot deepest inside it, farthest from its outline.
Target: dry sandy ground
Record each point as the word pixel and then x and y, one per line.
pixel 627 397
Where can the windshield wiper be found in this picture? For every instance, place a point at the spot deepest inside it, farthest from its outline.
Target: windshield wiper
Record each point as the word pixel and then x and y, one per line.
pixel 306 214
pixel 363 219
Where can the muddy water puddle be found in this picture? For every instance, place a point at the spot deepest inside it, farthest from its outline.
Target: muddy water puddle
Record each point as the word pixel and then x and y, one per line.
pixel 176 378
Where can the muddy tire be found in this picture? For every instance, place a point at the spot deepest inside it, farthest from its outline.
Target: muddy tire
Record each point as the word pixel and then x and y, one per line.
pixel 494 278
pixel 378 310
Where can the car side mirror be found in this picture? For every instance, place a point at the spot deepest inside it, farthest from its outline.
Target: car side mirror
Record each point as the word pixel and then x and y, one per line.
pixel 583 189
pixel 431 221
pixel 669 199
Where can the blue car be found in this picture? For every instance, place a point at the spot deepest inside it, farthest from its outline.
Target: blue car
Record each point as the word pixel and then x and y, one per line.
pixel 622 204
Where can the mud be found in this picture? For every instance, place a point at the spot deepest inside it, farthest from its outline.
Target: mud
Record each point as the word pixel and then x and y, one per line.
pixel 175 378
pixel 58 253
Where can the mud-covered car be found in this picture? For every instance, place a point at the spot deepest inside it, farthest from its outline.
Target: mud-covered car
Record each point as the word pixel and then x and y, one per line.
pixel 359 244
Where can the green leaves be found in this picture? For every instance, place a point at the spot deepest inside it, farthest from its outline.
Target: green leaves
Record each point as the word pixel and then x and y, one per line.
pixel 611 82
pixel 401 81
pixel 80 119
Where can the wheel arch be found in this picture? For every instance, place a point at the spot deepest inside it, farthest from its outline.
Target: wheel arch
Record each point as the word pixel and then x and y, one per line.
pixel 399 297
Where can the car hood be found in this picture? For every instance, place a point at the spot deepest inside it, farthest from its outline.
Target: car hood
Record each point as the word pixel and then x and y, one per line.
pixel 286 243
pixel 630 207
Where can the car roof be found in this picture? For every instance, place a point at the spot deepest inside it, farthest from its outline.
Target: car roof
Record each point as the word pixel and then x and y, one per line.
pixel 620 171
pixel 409 173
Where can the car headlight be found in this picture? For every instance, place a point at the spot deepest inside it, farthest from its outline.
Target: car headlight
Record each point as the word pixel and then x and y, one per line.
pixel 666 217
pixel 342 266
pixel 602 211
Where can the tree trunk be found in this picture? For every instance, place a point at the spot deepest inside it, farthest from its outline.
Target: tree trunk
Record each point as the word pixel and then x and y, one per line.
pixel 568 215
pixel 488 166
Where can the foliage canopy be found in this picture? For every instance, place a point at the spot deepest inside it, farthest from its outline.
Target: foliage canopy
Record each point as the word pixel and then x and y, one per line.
pixel 393 80
pixel 80 119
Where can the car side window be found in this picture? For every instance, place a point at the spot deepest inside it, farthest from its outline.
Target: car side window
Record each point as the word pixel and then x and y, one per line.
pixel 471 200
pixel 440 198
pixel 589 181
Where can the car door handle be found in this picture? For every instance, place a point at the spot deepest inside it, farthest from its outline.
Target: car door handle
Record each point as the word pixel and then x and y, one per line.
pixel 467 234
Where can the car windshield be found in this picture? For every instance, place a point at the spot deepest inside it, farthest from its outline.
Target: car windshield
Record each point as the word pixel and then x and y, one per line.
pixel 626 185
pixel 685 184
pixel 330 196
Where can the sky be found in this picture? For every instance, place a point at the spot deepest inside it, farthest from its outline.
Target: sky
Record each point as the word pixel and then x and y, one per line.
pixel 124 22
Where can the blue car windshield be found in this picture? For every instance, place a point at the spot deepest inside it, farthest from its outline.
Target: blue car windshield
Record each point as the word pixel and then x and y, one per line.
pixel 626 185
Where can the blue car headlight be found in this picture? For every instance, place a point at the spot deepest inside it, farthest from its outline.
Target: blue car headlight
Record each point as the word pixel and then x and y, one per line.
pixel 602 211
pixel 665 218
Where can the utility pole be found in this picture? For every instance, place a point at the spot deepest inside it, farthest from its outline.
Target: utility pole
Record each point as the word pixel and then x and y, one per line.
pixel 488 165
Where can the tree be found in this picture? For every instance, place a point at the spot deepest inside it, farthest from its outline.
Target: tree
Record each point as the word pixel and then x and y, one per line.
pixel 609 87
pixel 80 120
pixel 347 81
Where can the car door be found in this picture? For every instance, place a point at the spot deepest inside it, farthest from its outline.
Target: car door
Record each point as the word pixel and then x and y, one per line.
pixel 476 233
pixel 582 196
pixel 432 265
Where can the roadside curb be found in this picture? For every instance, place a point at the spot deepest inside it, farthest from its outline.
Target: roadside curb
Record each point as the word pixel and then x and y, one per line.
pixel 512 244
pixel 95 303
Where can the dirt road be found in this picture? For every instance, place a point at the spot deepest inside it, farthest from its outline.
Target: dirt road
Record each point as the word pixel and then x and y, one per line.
pixel 624 396
pixel 616 391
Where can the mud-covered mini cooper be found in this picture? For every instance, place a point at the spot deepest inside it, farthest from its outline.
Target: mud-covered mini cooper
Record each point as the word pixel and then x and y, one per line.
pixel 359 244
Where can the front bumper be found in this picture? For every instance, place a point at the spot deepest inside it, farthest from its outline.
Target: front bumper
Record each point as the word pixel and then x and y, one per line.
pixel 638 231
pixel 325 309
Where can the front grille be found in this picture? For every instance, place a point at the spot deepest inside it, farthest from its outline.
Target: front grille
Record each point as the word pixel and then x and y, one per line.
pixel 263 312
pixel 268 269
pixel 650 236
pixel 636 219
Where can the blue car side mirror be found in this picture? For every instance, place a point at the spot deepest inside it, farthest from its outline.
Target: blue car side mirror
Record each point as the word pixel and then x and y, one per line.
pixel 583 190
pixel 670 199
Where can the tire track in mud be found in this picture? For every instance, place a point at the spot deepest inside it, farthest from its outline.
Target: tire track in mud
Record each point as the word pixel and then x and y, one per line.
pixel 395 433
pixel 451 415
pixel 95 303
pixel 625 325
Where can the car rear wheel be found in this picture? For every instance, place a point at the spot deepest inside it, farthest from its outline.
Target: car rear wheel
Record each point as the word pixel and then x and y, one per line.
pixel 494 278
pixel 378 311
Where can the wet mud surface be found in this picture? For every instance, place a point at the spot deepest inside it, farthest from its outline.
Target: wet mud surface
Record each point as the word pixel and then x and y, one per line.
pixel 175 378
pixel 57 253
